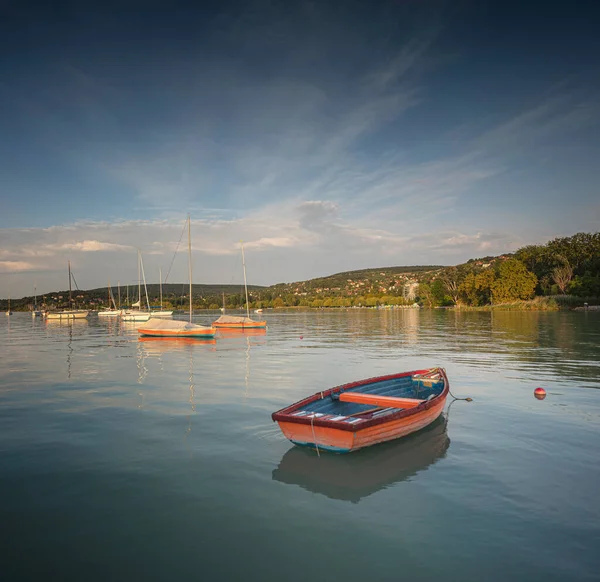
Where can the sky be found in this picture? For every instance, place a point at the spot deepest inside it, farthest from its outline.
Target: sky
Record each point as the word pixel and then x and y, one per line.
pixel 326 135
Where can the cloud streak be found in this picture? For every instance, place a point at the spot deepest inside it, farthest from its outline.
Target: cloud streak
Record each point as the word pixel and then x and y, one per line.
pixel 90 246
pixel 15 266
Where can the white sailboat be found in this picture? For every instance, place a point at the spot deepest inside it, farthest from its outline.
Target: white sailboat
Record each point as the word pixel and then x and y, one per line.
pixel 107 311
pixel 171 328
pixel 68 313
pixel 35 312
pixel 162 312
pixel 240 322
pixel 138 314
pixel 8 312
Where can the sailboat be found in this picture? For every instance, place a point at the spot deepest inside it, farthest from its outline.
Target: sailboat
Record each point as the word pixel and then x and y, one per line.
pixel 68 313
pixel 35 312
pixel 9 312
pixel 108 312
pixel 171 328
pixel 162 312
pixel 138 314
pixel 240 322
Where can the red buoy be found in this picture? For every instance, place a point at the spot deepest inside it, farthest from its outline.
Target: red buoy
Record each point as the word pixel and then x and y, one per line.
pixel 539 393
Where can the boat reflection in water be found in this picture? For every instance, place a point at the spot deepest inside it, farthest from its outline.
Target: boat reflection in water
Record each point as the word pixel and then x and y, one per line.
pixel 360 474
pixel 240 333
pixel 160 345
pixel 67 322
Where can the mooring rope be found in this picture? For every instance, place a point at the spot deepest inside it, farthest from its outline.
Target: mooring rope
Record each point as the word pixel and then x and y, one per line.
pixel 312 426
pixel 439 369
pixel 467 399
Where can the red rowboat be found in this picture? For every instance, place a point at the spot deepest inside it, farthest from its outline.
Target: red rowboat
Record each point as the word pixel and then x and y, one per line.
pixel 359 414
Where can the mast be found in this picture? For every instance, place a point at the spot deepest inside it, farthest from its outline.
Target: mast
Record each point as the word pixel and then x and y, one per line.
pixel 245 286
pixel 119 292
pixel 145 286
pixel 190 261
pixel 70 299
pixel 223 301
pixel 160 279
pixel 108 291
pixel 139 283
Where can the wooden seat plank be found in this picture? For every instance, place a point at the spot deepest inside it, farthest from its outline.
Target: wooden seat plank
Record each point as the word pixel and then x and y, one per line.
pixel 388 401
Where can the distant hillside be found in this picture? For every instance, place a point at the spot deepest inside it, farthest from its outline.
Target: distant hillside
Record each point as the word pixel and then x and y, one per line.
pixel 172 290
pixel 174 295
pixel 364 281
pixel 368 273
pixel 383 280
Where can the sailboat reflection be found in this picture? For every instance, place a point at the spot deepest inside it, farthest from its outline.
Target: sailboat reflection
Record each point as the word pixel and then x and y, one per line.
pixel 353 477
pixel 72 328
pixel 64 323
pixel 156 346
pixel 240 333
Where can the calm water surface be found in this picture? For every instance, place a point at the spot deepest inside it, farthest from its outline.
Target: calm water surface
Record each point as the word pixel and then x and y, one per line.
pixel 147 460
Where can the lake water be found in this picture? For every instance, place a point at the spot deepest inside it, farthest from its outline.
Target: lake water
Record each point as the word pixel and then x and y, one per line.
pixel 148 460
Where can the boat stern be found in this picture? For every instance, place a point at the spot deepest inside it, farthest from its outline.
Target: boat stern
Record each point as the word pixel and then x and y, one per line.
pixel 310 435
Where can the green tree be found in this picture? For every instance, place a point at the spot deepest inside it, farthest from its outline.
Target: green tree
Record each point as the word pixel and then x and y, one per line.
pixel 514 282
pixel 425 295
pixel 371 301
pixel 438 292
pixel 586 285
pixel 483 283
pixel 468 290
pixel 278 302
pixel 452 278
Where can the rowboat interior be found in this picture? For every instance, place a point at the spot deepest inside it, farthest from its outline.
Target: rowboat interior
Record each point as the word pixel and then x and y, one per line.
pixel 350 407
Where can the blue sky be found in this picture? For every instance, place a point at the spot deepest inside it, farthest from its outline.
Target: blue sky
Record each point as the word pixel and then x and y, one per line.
pixel 327 136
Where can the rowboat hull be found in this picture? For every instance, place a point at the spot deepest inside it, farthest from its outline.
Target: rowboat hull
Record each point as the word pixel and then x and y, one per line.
pixel 348 426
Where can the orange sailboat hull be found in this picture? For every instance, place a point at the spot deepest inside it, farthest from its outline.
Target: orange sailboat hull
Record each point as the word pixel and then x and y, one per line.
pixel 162 333
pixel 252 325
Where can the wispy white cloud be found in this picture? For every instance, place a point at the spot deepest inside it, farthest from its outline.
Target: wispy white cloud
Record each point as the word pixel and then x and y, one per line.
pixel 87 246
pixel 271 242
pixel 556 114
pixel 15 266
